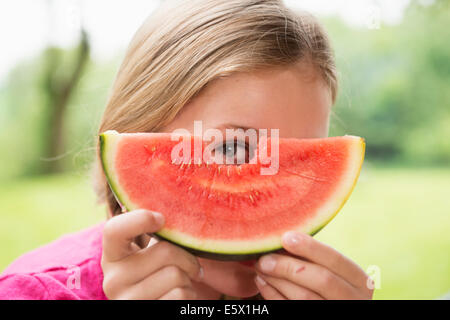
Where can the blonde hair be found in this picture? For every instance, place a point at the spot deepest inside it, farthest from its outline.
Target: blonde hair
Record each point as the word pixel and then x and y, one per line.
pixel 184 45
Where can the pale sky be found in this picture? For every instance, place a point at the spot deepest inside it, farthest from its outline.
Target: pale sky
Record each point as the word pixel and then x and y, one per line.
pixel 25 25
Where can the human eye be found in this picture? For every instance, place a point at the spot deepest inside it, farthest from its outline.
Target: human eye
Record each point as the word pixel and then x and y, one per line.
pixel 233 152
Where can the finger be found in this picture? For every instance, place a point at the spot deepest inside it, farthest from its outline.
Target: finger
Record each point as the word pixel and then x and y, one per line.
pixel 267 291
pixel 120 231
pixel 148 260
pixel 180 294
pixel 307 247
pixel 157 284
pixel 289 289
pixel 306 274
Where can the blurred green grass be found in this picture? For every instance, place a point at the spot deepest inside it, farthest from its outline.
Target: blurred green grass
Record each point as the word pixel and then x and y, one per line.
pixel 397 219
pixel 35 211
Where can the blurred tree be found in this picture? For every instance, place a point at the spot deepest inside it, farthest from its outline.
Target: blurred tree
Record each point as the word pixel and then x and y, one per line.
pixel 58 88
pixel 59 82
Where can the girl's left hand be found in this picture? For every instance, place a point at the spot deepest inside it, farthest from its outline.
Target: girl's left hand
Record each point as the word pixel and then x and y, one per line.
pixel 310 270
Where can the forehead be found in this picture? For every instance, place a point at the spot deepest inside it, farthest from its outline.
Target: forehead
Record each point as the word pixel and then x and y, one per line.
pixel 293 99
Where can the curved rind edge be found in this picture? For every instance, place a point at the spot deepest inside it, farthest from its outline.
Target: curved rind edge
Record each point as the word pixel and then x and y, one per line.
pixel 105 146
pixel 362 151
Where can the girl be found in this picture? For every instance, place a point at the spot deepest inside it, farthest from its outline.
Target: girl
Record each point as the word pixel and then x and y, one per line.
pixel 230 64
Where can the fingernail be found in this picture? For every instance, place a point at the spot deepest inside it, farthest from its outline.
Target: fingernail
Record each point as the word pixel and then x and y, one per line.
pixel 260 280
pixel 152 242
pixel 200 273
pixel 267 263
pixel 159 218
pixel 291 238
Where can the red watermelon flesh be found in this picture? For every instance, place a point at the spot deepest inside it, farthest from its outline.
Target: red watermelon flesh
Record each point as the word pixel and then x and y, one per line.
pixel 232 211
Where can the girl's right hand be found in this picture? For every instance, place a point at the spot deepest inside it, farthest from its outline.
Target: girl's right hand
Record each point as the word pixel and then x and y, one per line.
pixel 160 271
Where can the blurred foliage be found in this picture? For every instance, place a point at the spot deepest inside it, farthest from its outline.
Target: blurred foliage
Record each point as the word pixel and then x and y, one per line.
pixel 394 92
pixel 395 86
pixel 24 120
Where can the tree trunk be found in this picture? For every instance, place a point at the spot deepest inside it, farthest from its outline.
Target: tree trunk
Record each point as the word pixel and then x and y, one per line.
pixel 59 89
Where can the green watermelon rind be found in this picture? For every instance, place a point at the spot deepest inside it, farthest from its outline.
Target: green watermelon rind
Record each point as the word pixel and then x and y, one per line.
pixel 226 249
pixel 108 174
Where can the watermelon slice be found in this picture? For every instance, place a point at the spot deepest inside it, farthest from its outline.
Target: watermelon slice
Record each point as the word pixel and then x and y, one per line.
pixel 232 212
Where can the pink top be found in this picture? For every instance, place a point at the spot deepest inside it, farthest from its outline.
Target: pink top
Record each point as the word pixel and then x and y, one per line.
pixel 68 268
